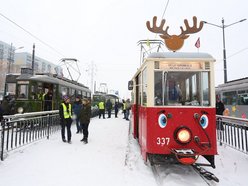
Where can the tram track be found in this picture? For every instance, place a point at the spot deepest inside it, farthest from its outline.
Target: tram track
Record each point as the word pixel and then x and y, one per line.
pixel 178 174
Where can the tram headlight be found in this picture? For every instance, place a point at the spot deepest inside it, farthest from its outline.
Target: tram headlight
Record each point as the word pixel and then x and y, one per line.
pixel 162 120
pixel 20 110
pixel 204 121
pixel 183 135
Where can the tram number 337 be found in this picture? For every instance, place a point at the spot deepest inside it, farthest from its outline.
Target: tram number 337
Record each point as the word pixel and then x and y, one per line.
pixel 163 141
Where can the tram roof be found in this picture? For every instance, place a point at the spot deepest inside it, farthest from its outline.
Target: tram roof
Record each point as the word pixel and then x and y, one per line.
pixel 238 84
pixel 53 80
pixel 181 55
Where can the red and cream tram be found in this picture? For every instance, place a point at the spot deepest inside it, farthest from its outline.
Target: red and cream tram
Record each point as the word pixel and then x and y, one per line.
pixel 173 106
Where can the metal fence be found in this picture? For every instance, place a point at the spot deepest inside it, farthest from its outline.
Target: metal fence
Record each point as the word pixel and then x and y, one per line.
pixel 20 129
pixel 233 132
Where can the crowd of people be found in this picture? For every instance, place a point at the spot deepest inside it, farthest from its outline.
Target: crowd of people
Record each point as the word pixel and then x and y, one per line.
pixel 108 106
pixel 79 110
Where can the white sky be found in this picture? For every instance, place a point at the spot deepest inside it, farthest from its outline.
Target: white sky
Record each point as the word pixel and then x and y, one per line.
pixel 106 33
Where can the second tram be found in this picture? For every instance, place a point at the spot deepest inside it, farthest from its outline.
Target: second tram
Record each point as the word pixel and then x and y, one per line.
pixel 97 97
pixel 30 90
pixel 234 95
pixel 173 107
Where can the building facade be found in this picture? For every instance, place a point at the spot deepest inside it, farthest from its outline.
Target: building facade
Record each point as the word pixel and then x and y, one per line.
pixel 11 62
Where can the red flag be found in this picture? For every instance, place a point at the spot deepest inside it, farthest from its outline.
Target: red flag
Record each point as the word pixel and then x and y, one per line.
pixel 197 43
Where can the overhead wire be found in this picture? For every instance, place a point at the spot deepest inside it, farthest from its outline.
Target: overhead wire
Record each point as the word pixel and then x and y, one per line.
pixel 166 6
pixel 236 53
pixel 25 30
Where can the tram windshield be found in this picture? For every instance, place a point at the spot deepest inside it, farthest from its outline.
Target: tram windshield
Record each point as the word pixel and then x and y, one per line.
pixel 181 88
pixel 22 92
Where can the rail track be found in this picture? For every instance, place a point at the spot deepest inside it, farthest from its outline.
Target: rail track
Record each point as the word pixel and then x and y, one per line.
pixel 175 174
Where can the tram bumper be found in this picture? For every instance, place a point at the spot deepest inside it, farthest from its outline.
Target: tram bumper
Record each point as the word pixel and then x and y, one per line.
pixel 185 156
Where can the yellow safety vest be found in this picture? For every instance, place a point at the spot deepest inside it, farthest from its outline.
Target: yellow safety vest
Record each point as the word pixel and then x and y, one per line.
pixel 101 105
pixel 124 106
pixel 67 114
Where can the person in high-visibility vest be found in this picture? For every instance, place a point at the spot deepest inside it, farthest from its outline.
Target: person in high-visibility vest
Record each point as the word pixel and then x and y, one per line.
pixel 65 113
pixel 101 106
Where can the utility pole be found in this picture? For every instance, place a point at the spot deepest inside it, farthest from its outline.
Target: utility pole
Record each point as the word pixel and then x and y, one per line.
pixel 223 26
pixel 33 59
pixel 92 72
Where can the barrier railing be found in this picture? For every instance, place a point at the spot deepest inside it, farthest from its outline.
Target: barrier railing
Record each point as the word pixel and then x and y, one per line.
pixel 233 132
pixel 20 129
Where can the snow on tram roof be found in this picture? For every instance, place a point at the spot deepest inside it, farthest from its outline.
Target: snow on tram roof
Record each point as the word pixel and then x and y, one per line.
pixel 186 55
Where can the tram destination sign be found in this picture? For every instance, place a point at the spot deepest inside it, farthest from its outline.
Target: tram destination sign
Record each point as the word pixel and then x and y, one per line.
pixel 181 65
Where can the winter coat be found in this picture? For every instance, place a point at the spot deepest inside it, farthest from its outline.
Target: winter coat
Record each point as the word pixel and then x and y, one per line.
pixel 85 114
pixel 219 108
pixel 108 105
pixel 77 107
pixel 5 107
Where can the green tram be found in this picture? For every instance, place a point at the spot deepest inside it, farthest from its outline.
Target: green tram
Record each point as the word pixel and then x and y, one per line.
pixel 99 96
pixel 30 90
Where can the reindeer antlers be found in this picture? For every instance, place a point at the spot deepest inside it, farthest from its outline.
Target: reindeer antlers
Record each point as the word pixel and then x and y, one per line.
pixel 174 42
pixel 191 30
pixel 158 30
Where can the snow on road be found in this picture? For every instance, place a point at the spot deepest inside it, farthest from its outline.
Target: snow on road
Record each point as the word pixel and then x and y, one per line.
pixel 108 159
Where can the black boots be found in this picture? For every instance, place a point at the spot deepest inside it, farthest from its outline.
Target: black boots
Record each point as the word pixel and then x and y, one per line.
pixel 85 140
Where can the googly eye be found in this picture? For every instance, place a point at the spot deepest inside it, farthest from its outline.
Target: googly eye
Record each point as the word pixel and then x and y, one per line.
pixel 204 121
pixel 162 120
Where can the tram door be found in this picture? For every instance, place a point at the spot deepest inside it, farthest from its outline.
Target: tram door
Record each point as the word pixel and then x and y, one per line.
pixel 138 102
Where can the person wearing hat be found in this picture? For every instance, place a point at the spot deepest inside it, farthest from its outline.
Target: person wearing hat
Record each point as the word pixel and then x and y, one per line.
pixel 77 106
pixel 85 115
pixel 65 113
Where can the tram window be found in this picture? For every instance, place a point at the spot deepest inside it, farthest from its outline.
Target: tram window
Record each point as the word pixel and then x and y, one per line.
pixel 64 90
pixel 173 88
pixel 158 79
pixel 33 91
pixel 55 90
pixel 22 91
pixel 229 98
pixel 144 87
pixel 205 89
pixel 183 88
pixel 243 99
pixel 139 89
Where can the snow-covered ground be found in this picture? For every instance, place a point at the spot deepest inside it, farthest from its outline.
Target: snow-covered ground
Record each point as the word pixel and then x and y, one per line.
pixel 108 159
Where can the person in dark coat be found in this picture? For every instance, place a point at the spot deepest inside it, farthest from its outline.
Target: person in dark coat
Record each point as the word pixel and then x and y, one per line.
pixel 6 106
pixel 77 106
pixel 65 113
pixel 128 108
pixel 220 107
pixel 85 114
pixel 109 107
pixel 116 108
pixel 48 100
